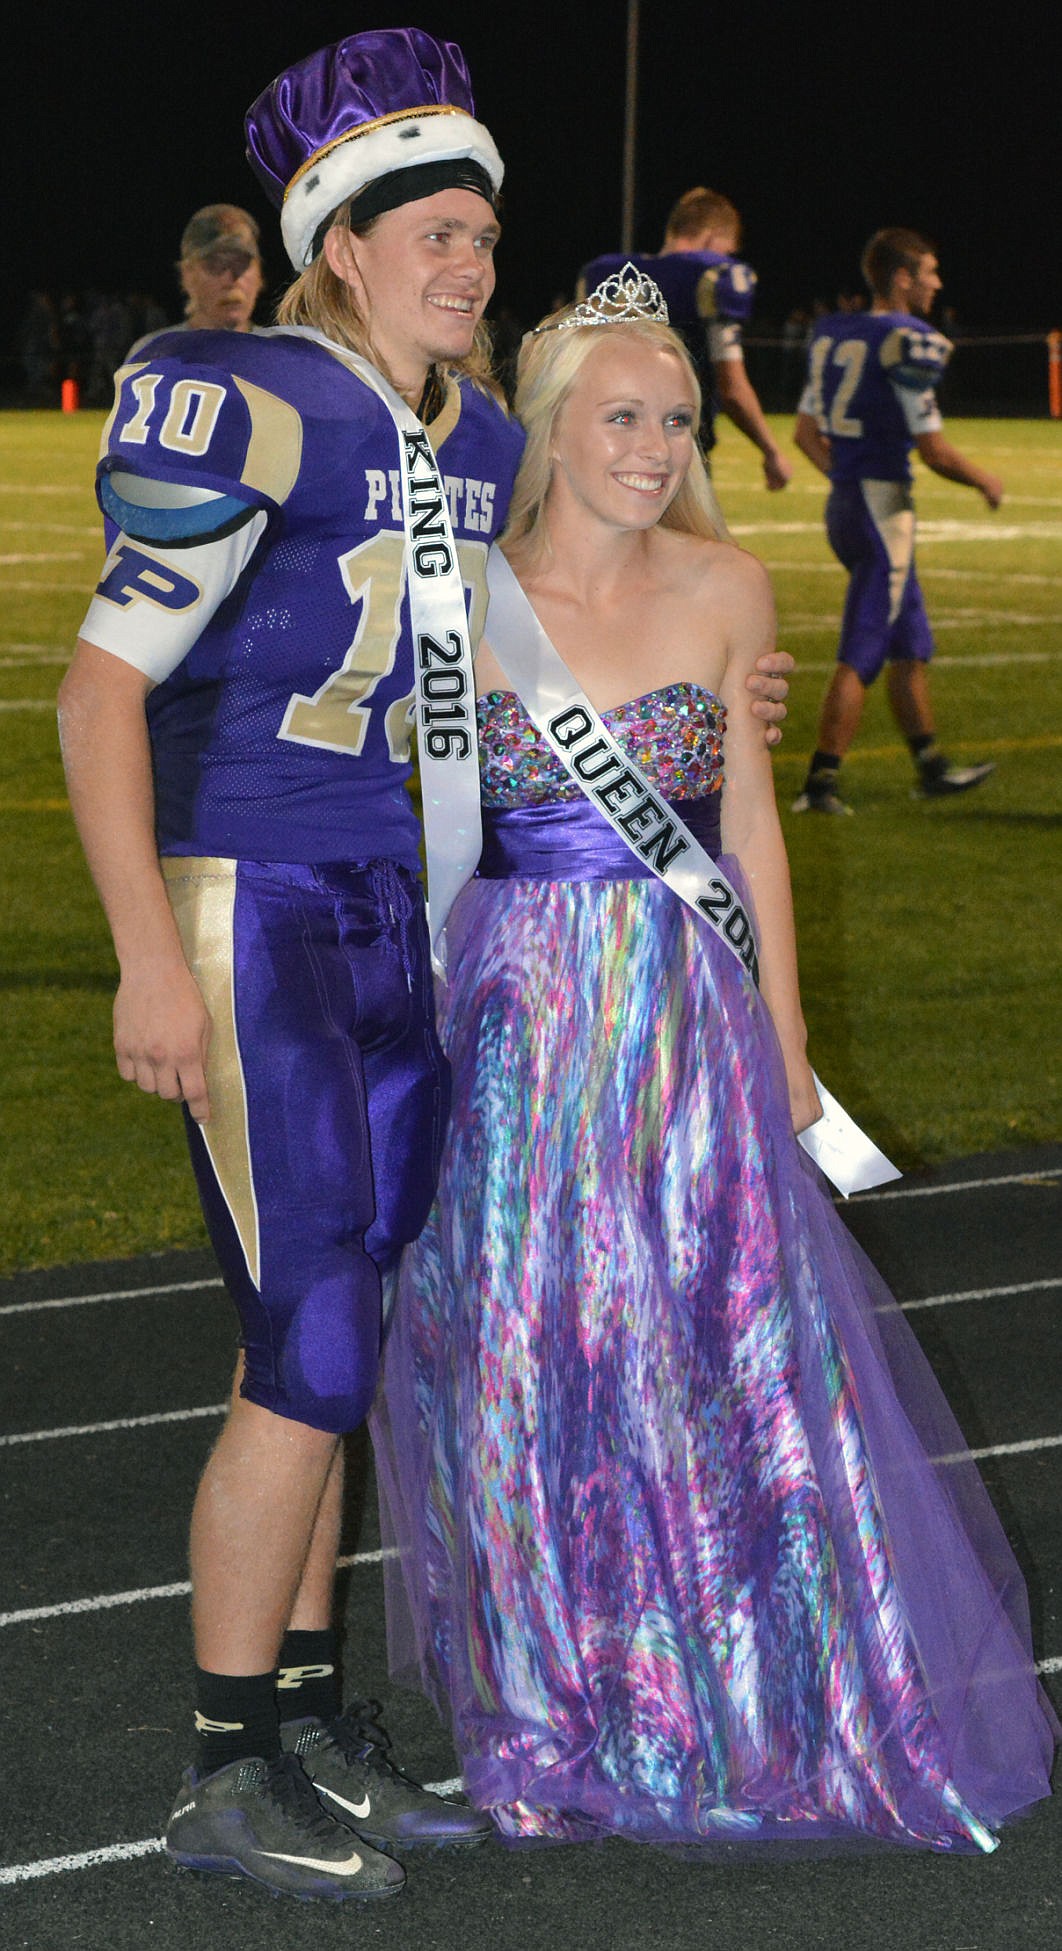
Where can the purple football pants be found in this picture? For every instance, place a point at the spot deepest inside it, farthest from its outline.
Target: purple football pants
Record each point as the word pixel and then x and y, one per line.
pixel 329 1096
pixel 871 528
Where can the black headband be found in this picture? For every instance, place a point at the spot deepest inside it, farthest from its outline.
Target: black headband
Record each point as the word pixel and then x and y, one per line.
pixel 411 186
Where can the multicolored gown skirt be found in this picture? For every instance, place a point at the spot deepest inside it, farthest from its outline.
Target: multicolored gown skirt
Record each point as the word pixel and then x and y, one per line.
pixel 689 1544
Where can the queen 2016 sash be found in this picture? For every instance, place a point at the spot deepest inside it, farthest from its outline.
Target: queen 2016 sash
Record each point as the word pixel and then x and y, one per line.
pixel 651 828
pixel 602 769
pixel 446 695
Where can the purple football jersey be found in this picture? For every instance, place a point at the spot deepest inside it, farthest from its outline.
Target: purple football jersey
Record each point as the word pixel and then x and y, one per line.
pixel 871 387
pixel 283 734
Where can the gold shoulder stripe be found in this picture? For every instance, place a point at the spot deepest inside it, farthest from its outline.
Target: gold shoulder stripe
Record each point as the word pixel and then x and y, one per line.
pixel 447 417
pixel 137 366
pixel 274 452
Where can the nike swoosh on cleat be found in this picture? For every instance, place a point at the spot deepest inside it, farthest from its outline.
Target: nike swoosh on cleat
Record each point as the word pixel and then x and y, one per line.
pixel 359 1809
pixel 350 1867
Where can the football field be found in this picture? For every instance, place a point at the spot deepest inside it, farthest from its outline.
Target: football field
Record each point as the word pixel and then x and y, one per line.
pixel 928 931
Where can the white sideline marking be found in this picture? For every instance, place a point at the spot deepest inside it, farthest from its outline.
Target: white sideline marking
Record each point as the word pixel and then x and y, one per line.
pixel 939 530
pixel 113 1294
pixel 1003 1449
pixel 795 567
pixel 32 657
pixel 28 704
pixel 993 658
pixel 106 1601
pixel 119 1422
pixel 40 488
pixel 981 1294
pixel 952 620
pixel 19 561
pixel 1030 1178
pixel 55 528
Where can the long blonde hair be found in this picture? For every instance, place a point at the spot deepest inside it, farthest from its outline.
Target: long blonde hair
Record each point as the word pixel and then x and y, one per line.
pixel 319 298
pixel 548 366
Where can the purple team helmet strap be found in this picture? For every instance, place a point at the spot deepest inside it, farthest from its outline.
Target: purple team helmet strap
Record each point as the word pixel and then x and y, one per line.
pixel 367 107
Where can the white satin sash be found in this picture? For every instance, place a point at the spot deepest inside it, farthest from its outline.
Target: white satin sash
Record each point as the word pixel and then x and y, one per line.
pixel 447 747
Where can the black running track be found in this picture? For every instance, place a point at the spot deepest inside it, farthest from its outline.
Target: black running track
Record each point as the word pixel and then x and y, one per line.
pixel 111 1381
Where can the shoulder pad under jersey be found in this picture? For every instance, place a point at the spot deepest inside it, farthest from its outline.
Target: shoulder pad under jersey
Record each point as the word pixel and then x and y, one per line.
pixel 727 290
pixel 190 452
pixel 915 355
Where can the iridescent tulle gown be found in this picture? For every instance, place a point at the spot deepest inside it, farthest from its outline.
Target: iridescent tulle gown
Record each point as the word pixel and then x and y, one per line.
pixel 673 1560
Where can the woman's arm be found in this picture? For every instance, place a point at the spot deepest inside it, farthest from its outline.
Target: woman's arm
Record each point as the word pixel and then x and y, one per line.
pixel 752 831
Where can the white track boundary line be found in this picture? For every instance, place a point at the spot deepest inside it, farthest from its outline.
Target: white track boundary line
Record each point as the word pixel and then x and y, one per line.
pixel 119 1422
pixel 982 1294
pixel 112 1294
pixel 17 1437
pixel 1034 1176
pixel 1002 1449
pixel 181 1589
pixel 108 1601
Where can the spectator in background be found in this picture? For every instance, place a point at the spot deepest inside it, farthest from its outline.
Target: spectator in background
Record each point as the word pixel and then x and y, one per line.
pixel 220 269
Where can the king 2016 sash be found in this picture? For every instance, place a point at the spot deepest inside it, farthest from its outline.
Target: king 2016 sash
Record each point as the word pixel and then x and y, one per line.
pixel 446 695
pixel 619 789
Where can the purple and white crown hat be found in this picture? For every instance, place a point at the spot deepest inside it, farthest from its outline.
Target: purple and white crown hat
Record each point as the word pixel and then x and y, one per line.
pixel 367 107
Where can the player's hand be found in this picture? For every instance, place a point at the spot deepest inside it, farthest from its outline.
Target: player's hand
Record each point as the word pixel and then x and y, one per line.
pixel 769 688
pixel 992 489
pixel 777 471
pixel 161 1034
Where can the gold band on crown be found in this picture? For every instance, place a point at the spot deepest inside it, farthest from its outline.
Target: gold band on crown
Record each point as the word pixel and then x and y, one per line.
pixel 626 295
pixel 368 128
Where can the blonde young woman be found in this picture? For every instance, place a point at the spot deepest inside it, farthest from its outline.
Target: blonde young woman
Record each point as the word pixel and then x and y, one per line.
pixel 675 1562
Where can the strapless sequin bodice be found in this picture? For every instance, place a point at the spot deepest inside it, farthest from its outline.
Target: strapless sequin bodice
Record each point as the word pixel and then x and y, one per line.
pixel 674 734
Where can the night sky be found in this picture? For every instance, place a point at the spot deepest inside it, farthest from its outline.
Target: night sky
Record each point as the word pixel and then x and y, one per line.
pixel 821 122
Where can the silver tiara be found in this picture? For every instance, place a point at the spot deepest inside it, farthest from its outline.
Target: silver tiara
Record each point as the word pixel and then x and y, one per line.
pixel 626 295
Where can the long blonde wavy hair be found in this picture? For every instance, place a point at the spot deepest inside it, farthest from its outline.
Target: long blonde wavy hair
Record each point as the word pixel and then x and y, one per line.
pixel 319 298
pixel 548 366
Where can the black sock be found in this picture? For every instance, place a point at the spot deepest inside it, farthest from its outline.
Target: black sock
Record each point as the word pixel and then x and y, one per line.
pixel 925 752
pixel 236 1716
pixel 308 1682
pixel 824 762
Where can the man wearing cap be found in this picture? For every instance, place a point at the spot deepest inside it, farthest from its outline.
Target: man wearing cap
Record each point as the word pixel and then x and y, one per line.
pixel 220 269
pixel 288 561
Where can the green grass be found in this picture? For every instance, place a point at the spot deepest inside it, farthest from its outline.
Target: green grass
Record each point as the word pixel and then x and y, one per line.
pixel 928 932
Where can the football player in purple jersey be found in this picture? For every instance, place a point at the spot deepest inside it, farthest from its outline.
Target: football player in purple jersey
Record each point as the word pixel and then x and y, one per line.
pixel 870 398
pixel 235 728
pixel 709 293
pixel 239 706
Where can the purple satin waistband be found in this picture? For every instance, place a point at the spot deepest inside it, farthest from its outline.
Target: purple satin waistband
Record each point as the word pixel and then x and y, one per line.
pixel 569 840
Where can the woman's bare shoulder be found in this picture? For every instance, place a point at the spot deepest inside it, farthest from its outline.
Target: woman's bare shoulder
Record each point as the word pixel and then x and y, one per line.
pixel 723 566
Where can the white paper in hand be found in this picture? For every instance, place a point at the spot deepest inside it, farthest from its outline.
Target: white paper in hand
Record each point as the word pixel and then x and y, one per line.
pixel 850 1160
